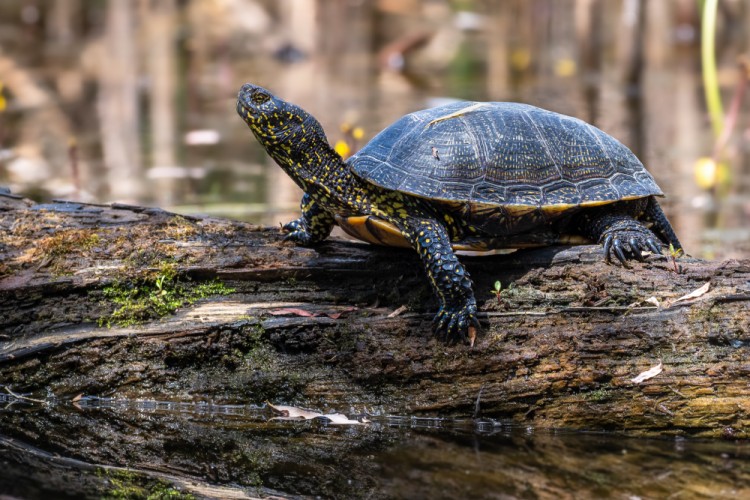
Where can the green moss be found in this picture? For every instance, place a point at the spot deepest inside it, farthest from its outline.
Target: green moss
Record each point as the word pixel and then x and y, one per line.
pixel 155 295
pixel 599 395
pixel 65 242
pixel 52 250
pixel 130 485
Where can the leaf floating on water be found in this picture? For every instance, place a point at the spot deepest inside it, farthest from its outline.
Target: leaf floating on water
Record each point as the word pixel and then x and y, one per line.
pixel 341 419
pixel 650 373
pixel 694 294
pixel 292 412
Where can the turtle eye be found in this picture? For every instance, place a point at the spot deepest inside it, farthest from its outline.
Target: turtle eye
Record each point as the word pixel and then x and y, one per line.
pixel 260 98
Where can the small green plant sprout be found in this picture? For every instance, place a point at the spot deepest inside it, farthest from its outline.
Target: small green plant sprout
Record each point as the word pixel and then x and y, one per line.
pixel 497 291
pixel 160 285
pixel 674 254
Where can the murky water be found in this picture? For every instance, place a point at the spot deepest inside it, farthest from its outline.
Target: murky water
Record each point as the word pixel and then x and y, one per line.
pixel 245 449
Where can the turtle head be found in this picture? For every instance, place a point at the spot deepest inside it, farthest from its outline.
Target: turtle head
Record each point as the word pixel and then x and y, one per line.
pixel 273 120
pixel 291 135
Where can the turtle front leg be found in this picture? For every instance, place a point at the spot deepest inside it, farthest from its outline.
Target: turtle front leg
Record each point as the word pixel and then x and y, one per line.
pixel 450 281
pixel 313 227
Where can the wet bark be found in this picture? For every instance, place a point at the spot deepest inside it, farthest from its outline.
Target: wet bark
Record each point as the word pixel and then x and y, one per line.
pixel 314 327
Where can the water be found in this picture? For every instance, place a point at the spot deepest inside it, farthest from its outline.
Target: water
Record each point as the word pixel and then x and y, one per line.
pixel 242 448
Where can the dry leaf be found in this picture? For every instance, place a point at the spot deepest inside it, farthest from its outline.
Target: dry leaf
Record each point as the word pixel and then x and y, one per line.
pixel 472 335
pixel 398 311
pixel 293 312
pixel 694 294
pixel 308 314
pixel 650 373
pixel 653 300
pixel 337 314
pixel 77 398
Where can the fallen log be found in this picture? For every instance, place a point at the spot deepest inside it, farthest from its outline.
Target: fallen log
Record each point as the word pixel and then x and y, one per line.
pixel 133 302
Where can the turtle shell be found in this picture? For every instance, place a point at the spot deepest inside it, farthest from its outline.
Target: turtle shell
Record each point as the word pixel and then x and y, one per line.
pixel 509 155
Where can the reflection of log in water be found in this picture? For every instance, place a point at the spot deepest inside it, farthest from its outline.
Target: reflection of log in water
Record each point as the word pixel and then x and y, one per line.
pixel 215 455
pixel 560 348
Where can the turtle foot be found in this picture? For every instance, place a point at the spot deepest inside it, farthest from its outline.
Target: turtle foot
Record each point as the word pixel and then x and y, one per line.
pixel 452 324
pixel 629 243
pixel 297 231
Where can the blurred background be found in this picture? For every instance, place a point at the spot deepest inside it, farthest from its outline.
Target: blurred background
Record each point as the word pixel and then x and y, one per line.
pixel 134 101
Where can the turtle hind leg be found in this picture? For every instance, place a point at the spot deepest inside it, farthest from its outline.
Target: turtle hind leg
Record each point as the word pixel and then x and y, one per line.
pixel 627 238
pixel 660 225
pixel 619 232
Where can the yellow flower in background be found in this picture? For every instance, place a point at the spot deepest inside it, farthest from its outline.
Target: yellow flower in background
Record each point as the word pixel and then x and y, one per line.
pixel 565 67
pixel 352 134
pixel 343 149
pixel 3 101
pixel 520 59
pixel 709 174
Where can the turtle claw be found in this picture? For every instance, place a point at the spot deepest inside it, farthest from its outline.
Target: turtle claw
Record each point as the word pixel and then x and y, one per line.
pixel 297 232
pixel 617 245
pixel 452 325
pixel 651 244
pixel 292 226
pixel 629 244
pixel 636 249
pixel 607 247
pixel 475 322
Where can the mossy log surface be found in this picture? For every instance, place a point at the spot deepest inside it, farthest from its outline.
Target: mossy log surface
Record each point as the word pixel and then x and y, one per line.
pixel 314 327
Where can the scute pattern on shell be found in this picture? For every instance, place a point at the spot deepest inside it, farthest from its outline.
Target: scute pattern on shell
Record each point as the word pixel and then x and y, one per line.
pixel 502 154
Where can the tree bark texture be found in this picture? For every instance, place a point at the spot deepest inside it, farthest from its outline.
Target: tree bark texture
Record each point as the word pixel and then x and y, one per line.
pixel 315 327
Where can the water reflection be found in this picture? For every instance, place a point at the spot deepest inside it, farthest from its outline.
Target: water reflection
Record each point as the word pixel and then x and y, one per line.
pixel 392 457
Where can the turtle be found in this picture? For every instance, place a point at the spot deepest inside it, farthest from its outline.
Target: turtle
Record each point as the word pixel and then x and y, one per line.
pixel 466 175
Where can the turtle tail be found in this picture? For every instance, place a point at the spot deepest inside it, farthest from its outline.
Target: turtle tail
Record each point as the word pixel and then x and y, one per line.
pixel 661 226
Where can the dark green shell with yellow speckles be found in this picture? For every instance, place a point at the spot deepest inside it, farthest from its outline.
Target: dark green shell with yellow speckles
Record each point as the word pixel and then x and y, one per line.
pixel 509 155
